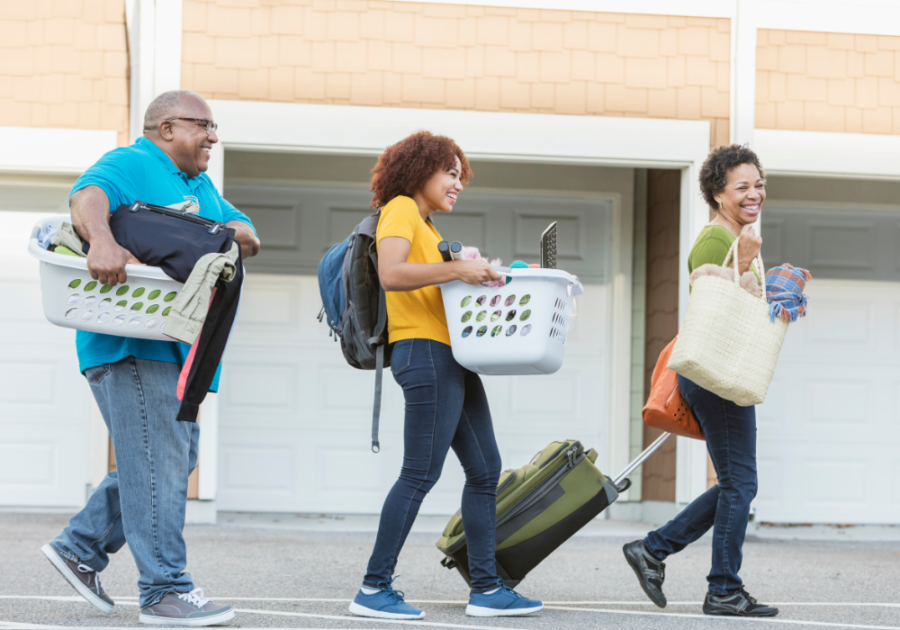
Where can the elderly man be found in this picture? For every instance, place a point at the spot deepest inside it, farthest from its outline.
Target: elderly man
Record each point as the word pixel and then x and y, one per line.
pixel 134 381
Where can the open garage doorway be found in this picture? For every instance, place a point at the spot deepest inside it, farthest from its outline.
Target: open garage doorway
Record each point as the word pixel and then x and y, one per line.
pixel 294 418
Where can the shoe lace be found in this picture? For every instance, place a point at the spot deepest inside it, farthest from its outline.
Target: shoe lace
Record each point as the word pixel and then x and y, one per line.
pixel 749 597
pixel 195 597
pixel 394 596
pixel 504 588
pixel 82 568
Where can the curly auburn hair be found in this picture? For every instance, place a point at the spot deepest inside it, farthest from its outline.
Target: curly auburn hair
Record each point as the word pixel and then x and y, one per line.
pixel 714 173
pixel 404 167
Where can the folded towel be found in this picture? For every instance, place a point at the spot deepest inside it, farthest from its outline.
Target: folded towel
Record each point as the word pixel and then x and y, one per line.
pixel 68 237
pixel 784 292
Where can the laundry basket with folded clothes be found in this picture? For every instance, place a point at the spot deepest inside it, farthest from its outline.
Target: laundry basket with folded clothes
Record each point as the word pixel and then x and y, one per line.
pixel 188 290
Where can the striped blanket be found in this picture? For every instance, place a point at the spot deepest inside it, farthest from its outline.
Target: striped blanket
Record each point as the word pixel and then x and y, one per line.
pixel 784 292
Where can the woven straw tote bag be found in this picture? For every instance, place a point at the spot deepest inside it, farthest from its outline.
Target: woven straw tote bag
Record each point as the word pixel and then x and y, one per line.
pixel 727 343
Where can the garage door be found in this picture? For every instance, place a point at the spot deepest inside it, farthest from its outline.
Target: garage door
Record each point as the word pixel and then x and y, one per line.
pixel 295 419
pixel 829 431
pixel 44 401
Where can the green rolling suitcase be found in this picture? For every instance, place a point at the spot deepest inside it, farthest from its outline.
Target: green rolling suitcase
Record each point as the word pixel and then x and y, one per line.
pixel 540 506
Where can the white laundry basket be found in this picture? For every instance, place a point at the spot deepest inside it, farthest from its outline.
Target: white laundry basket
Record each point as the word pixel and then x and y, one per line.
pixel 73 299
pixel 520 328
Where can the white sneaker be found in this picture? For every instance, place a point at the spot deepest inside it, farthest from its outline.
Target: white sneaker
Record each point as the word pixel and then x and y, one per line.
pixel 82 578
pixel 186 609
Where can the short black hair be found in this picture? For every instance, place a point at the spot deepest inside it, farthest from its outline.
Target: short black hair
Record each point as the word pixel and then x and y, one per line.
pixel 721 161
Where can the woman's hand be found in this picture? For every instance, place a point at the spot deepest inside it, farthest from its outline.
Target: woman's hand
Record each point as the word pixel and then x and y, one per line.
pixel 474 271
pixel 396 274
pixel 749 245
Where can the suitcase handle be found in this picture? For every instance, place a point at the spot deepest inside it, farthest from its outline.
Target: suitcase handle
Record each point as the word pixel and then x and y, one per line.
pixel 620 480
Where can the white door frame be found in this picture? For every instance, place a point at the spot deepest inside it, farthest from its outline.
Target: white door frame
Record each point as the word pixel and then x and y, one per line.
pixel 822 154
pixel 155 37
pixel 23 151
pixel 508 137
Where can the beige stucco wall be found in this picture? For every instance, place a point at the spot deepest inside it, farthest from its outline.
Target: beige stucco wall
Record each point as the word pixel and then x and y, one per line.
pixel 398 54
pixel 63 64
pixel 828 82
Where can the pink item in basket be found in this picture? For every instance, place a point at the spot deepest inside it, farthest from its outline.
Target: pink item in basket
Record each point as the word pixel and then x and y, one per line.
pixel 189 362
pixel 472 253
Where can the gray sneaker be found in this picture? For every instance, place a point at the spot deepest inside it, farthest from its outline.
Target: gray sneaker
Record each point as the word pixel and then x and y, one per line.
pixel 186 609
pixel 83 578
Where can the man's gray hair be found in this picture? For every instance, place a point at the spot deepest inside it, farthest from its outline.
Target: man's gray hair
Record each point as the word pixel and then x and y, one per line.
pixel 164 106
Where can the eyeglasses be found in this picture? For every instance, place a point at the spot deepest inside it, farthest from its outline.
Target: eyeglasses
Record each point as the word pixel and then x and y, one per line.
pixel 202 122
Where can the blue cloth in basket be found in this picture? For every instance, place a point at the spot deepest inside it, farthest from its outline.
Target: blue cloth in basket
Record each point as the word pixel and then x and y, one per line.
pixel 143 172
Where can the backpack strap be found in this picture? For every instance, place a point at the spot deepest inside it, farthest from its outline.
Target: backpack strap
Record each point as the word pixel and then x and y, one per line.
pixel 379 367
pixel 370 226
pixel 376 411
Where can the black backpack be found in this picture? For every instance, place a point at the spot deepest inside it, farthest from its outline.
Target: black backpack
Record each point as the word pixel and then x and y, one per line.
pixel 354 304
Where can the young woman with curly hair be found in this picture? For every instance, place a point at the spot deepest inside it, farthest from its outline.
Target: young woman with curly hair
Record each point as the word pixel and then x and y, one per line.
pixel 733 184
pixel 446 406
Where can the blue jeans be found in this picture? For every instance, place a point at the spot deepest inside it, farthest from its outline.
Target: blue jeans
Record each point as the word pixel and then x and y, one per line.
pixel 730 433
pixel 142 501
pixel 445 407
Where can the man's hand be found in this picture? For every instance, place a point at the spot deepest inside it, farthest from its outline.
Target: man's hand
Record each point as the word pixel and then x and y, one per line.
pixel 106 261
pixel 749 245
pixel 245 236
pixel 90 217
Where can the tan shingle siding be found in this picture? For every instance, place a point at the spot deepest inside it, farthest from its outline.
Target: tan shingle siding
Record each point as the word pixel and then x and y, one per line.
pixel 828 82
pixel 399 54
pixel 64 64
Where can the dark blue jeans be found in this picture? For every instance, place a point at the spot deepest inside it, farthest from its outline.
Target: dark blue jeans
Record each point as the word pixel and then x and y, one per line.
pixel 445 407
pixel 730 433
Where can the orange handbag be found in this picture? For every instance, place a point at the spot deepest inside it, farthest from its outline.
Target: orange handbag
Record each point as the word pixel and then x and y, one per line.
pixel 666 409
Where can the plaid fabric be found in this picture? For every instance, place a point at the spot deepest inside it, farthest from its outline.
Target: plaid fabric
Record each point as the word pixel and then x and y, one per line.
pixel 784 292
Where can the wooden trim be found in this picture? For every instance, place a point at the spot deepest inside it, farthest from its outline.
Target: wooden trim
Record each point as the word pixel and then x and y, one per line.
pixel 663 265
pixel 193 481
pixel 112 456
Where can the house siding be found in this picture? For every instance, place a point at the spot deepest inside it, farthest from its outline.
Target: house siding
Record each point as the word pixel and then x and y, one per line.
pixel 64 64
pixel 833 82
pixel 663 203
pixel 398 54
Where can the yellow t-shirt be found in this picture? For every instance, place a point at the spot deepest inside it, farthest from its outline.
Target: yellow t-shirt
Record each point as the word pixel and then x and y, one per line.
pixel 415 314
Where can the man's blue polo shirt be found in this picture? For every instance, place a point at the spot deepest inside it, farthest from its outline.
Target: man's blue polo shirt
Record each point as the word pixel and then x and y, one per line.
pixel 142 171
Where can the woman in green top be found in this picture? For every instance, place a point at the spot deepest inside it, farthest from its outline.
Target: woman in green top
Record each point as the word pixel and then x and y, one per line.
pixel 733 185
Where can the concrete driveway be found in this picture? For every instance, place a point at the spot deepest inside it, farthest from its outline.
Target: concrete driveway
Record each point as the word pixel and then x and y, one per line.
pixel 291 571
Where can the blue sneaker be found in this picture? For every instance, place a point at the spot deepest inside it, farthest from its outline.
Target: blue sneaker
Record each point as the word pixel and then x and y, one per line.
pixel 385 604
pixel 504 602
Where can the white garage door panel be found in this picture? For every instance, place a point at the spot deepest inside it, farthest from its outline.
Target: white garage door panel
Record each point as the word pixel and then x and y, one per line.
pixel 829 431
pixel 44 402
pixel 295 419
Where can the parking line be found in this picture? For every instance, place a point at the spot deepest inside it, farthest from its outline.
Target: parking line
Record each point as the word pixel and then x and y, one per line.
pixel 9 625
pixel 571 606
pixel 126 598
pixel 796 622
pixel 546 603
pixel 432 624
